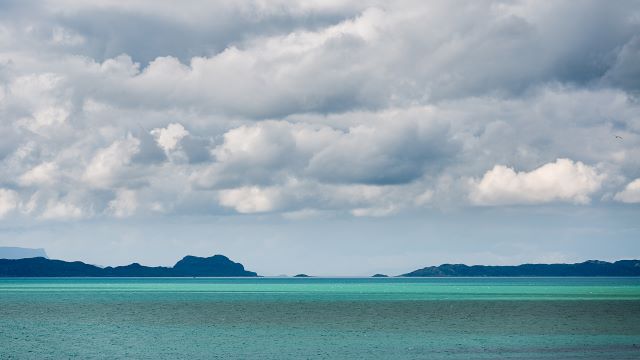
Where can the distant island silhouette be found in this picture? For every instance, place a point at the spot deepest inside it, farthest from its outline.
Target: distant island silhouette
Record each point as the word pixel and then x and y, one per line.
pixel 189 266
pixel 587 268
pixel 13 252
pixel 221 266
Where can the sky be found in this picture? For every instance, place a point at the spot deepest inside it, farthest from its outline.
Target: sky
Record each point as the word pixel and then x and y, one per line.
pixel 324 137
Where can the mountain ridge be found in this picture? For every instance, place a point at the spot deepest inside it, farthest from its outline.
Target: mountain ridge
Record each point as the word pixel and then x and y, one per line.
pixel 222 266
pixel 586 268
pixel 214 266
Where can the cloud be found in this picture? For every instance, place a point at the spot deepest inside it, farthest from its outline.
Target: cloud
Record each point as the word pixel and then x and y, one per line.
pixel 109 28
pixel 8 201
pixel 630 194
pixel 363 55
pixel 248 200
pixel 625 72
pixel 374 212
pixel 389 148
pixel 563 180
pixel 41 175
pixel 314 107
pixel 306 196
pixel 66 207
pixel 109 164
pixel 124 204
pixel 66 37
pixel 395 150
pixel 168 138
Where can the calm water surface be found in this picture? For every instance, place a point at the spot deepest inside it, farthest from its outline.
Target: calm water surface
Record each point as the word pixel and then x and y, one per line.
pixel 313 318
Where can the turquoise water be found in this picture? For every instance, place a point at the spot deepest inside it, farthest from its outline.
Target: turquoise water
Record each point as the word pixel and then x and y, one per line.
pixel 313 318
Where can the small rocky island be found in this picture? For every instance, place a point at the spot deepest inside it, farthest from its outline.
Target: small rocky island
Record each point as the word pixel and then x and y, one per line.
pixel 301 276
pixel 189 266
pixel 380 276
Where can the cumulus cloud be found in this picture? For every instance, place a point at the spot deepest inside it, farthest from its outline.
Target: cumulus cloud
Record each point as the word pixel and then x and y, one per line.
pixel 8 201
pixel 124 204
pixel 61 210
pixel 315 106
pixel 250 199
pixel 59 206
pixel 168 138
pixel 395 150
pixel 562 180
pixel 43 175
pixel 630 194
pixel 389 148
pixel 110 164
pixel 295 197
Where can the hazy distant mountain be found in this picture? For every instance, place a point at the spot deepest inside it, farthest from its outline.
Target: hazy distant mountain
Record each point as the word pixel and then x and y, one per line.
pixel 214 266
pixel 7 252
pixel 587 268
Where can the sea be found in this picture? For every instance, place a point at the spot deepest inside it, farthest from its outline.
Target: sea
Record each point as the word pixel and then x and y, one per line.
pixel 320 318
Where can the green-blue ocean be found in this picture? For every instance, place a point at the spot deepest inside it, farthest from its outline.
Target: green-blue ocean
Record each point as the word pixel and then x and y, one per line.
pixel 320 318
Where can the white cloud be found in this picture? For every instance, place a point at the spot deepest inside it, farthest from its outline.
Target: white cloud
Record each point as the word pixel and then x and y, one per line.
pixel 374 212
pixel 8 201
pixel 314 106
pixel 298 197
pixel 262 143
pixel 424 198
pixel 386 148
pixel 124 204
pixel 169 138
pixel 275 74
pixel 630 194
pixel 110 163
pixel 35 87
pixel 562 180
pixel 50 116
pixel 44 174
pixel 248 200
pixel 62 209
pixel 251 154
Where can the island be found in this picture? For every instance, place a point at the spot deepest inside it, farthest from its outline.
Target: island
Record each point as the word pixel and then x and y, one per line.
pixel 380 276
pixel 301 276
pixel 587 268
pixel 189 266
pixel 13 252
